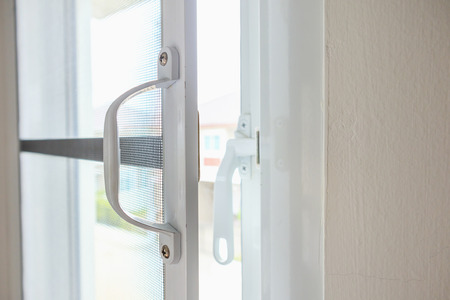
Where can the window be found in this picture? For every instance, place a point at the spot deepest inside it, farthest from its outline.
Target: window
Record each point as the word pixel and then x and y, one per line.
pixel 212 142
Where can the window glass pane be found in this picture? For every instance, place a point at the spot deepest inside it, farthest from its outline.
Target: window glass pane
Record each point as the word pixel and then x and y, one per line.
pixel 77 56
pixel 219 108
pixel 49 230
pixel 216 142
pixel 127 260
pixel 75 244
pixel 141 189
pixel 207 142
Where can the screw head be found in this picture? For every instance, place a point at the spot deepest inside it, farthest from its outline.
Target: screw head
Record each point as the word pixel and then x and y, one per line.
pixel 165 251
pixel 163 58
pixel 244 169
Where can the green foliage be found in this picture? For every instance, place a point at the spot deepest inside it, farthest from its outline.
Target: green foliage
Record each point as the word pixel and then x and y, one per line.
pixel 106 215
pixel 238 215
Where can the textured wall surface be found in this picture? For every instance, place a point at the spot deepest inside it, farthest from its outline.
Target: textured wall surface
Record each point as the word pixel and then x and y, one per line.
pixel 387 212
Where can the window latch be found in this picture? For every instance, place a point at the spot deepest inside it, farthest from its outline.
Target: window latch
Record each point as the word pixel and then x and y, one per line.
pixel 238 154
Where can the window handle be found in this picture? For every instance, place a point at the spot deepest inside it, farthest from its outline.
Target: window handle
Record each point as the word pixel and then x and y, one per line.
pixel 238 151
pixel 169 237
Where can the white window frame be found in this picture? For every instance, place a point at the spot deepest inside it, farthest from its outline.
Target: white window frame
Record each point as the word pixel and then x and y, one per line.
pixel 10 247
pixel 179 19
pixel 282 89
pixel 299 271
pixel 180 106
pixel 292 148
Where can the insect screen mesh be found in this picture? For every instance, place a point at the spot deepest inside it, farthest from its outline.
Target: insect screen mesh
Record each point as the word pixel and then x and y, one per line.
pixel 141 188
pixel 141 178
pixel 75 57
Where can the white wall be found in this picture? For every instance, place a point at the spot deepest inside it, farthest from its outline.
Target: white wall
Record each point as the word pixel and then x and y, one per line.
pixel 10 286
pixel 387 217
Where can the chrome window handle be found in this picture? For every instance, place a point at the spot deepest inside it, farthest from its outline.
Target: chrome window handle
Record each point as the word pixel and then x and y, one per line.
pixel 169 237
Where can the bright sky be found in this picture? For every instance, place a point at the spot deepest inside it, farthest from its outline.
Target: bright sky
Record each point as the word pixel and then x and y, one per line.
pixel 218 48
pixel 218 53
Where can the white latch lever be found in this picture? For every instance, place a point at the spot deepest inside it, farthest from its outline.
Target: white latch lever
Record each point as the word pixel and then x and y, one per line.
pixel 236 150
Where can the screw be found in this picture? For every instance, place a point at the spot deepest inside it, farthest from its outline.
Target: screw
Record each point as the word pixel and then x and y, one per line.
pixel 243 125
pixel 163 58
pixel 244 169
pixel 165 251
